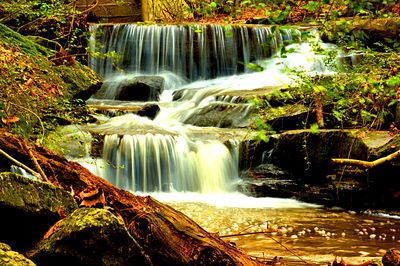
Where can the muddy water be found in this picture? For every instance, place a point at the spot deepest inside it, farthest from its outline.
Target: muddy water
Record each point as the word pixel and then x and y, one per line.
pixel 294 231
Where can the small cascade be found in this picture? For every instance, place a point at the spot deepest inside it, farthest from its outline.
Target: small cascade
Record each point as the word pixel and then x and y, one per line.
pixel 196 52
pixel 165 163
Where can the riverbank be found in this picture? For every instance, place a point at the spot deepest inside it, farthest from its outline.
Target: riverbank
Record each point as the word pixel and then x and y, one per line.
pixel 139 220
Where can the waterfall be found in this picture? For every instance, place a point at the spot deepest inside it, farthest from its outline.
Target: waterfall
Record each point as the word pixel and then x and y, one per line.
pixel 165 163
pixel 196 52
pixel 203 61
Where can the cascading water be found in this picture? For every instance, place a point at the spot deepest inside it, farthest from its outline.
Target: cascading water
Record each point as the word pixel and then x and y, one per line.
pixel 191 51
pixel 162 155
pixel 156 162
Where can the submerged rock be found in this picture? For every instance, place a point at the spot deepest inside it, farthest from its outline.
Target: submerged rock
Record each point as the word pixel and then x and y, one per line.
pixel 28 208
pixel 149 110
pixel 391 258
pixel 89 236
pixel 12 258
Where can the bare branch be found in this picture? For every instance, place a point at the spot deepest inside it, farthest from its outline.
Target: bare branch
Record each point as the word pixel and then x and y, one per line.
pixel 366 164
pixel 18 163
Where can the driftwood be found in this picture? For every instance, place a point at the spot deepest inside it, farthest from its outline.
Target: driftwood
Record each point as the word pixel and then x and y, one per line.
pixel 167 236
pixel 366 164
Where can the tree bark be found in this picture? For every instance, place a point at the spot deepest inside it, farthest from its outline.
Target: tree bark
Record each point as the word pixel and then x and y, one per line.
pixel 166 235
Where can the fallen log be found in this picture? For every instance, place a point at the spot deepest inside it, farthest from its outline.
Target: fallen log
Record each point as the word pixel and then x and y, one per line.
pixel 366 164
pixel 167 236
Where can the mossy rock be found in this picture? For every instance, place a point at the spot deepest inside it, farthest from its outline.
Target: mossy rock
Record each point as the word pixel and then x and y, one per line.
pixel 12 258
pixel 89 236
pixel 10 37
pixel 29 208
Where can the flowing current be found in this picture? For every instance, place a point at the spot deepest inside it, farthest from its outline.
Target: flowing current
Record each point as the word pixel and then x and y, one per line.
pixel 195 169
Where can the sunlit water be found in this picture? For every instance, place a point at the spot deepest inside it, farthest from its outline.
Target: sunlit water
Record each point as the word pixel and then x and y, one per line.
pixel 295 231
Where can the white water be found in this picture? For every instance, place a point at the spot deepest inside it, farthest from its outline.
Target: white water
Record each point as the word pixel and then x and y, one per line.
pixel 191 51
pixel 162 154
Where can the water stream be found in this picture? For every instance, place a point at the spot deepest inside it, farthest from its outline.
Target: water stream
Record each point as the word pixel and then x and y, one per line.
pixel 195 169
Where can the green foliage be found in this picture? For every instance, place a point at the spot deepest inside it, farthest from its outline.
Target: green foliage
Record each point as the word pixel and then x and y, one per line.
pixel 361 96
pixel 280 11
pixel 53 23
pixel 36 95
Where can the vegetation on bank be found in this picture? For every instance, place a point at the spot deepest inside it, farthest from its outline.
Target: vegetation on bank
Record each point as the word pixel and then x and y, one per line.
pixel 37 89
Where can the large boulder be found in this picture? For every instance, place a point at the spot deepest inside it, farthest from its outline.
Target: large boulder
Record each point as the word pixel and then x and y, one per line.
pixel 12 258
pixel 141 88
pixel 28 208
pixel 132 88
pixel 89 236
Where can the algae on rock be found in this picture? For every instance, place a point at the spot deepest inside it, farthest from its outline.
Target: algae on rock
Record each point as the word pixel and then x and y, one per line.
pixel 29 208
pixel 89 236
pixel 12 258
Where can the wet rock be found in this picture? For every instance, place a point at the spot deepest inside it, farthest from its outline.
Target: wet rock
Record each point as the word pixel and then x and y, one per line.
pixel 128 88
pixel 89 236
pixel 267 180
pixel 391 257
pixel 12 258
pixel 28 208
pixel 141 88
pixel 178 95
pixel 222 115
pixel 149 110
pixel 87 93
pixel 306 156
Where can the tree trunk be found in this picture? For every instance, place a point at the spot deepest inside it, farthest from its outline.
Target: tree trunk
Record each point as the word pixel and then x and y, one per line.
pixel 166 235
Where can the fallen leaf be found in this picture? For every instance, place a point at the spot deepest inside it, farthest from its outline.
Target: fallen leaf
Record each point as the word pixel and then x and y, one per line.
pixel 92 197
pixel 10 120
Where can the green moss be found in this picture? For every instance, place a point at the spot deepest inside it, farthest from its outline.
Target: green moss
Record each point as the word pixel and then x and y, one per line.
pixel 12 38
pixel 33 196
pixel 12 258
pixel 90 236
pixel 77 77
pixel 35 90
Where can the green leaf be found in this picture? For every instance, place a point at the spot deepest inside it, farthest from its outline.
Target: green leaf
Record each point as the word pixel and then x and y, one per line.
pixel 314 128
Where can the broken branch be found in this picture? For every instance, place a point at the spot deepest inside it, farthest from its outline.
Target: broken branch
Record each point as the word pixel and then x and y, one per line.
pixel 42 175
pixel 18 163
